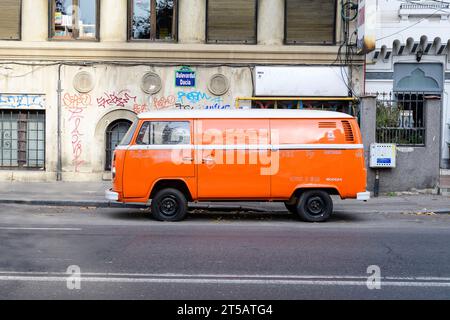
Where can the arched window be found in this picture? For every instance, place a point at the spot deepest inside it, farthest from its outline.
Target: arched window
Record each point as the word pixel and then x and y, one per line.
pixel 114 134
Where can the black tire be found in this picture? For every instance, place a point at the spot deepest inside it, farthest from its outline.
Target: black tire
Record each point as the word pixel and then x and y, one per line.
pixel 315 206
pixel 292 208
pixel 169 205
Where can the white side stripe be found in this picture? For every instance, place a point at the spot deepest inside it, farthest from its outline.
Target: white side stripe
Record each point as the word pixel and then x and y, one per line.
pixel 245 147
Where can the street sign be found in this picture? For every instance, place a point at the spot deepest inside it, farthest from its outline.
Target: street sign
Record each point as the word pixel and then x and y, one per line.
pixel 184 77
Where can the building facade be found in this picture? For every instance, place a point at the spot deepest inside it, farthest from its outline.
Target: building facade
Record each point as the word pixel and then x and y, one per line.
pixel 74 74
pixel 411 62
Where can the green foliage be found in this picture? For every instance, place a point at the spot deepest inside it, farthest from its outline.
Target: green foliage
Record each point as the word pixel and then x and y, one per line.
pixel 387 115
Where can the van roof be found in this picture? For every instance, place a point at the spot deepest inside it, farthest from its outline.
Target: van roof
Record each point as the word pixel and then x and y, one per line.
pixel 243 113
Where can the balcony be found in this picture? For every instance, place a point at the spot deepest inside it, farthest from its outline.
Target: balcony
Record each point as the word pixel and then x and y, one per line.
pixel 427 9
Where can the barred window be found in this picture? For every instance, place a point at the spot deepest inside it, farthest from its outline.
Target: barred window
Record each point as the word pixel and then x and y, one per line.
pixel 10 20
pixel 22 139
pixel 231 21
pixel 154 20
pixel 74 19
pixel 401 118
pixel 310 21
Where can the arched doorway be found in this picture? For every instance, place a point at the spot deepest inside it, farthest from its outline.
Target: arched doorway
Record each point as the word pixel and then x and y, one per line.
pixel 114 134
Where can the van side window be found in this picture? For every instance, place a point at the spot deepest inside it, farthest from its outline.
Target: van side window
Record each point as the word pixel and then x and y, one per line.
pixel 164 132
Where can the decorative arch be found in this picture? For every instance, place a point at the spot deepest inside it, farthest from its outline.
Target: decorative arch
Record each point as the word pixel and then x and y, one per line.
pixel 417 80
pixel 418 77
pixel 113 135
pixel 99 160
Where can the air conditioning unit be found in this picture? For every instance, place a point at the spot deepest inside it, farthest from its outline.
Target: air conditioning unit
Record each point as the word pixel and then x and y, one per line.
pixel 314 81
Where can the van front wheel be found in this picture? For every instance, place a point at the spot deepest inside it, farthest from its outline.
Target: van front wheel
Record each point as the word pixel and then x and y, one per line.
pixel 315 206
pixel 169 205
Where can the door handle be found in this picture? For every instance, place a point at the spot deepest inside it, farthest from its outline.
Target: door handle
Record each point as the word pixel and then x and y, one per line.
pixel 188 159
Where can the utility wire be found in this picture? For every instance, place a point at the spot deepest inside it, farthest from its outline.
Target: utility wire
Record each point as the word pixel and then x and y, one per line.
pixel 410 26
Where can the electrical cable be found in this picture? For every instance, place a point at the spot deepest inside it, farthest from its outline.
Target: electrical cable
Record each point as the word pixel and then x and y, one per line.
pixel 412 25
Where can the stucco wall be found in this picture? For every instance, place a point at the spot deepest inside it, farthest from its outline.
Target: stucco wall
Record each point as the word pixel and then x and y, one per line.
pixel 417 167
pixel 116 94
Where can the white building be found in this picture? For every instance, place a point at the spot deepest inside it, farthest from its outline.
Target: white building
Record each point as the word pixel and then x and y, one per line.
pixel 412 60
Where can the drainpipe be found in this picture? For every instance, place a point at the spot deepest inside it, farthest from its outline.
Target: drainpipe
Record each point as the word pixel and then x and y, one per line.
pixel 59 161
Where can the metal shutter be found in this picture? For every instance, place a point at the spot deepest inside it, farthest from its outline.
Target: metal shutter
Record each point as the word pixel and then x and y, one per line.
pixel 310 21
pixel 231 21
pixel 10 20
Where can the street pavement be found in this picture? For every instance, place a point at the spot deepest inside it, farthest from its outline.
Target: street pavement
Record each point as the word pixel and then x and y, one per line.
pixel 122 253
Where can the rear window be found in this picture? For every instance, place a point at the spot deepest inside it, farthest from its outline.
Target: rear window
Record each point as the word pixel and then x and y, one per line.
pixel 129 135
pixel 164 133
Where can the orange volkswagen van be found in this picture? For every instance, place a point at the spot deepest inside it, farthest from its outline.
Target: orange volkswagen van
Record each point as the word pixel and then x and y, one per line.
pixel 299 157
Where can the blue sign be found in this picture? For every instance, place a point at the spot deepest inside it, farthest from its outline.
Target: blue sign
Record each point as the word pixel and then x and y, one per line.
pixel 185 77
pixel 384 160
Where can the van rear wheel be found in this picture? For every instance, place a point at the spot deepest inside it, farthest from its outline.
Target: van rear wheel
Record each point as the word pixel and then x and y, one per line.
pixel 169 205
pixel 315 206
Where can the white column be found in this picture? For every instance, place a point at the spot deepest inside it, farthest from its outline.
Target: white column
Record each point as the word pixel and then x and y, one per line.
pixel 113 20
pixel 271 22
pixel 191 21
pixel 34 20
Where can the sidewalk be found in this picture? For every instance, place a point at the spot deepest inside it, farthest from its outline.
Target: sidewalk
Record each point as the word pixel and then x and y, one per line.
pixel 91 194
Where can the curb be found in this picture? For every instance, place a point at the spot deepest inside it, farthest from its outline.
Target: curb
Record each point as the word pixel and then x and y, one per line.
pixel 72 203
pixel 192 206
pixel 112 204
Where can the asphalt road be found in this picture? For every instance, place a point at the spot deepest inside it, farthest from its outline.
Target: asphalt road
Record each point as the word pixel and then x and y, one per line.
pixel 124 254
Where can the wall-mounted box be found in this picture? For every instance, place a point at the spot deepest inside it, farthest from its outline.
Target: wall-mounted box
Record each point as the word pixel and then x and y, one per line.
pixel 382 155
pixel 302 81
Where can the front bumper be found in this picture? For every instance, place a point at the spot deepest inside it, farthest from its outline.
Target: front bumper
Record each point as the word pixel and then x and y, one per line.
pixel 363 196
pixel 111 195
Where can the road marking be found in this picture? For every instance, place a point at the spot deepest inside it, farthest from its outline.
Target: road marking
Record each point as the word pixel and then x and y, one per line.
pixel 206 279
pixel 41 229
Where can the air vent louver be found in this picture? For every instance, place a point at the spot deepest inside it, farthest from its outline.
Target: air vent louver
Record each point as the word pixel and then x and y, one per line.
pixel 328 125
pixel 348 131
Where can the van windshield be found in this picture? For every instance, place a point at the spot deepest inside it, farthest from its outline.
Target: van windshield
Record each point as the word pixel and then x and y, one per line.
pixel 129 135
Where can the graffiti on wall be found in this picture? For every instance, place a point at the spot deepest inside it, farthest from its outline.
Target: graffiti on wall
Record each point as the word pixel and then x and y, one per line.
pixel 22 101
pixel 183 100
pixel 121 99
pixel 76 104
pixel 164 102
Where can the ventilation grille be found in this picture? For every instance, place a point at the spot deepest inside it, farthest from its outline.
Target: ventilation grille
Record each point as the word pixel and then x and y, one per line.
pixel 218 84
pixel 151 83
pixel 328 125
pixel 348 131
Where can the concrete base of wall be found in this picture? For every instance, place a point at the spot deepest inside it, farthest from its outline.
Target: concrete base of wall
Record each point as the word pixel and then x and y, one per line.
pixel 39 176
pixel 416 167
pixel 27 176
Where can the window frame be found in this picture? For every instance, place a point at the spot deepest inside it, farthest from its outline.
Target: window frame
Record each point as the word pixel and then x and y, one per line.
pixel 44 149
pixel 298 43
pixel 51 24
pixel 207 41
pixel 20 24
pixel 175 22
pixel 140 143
